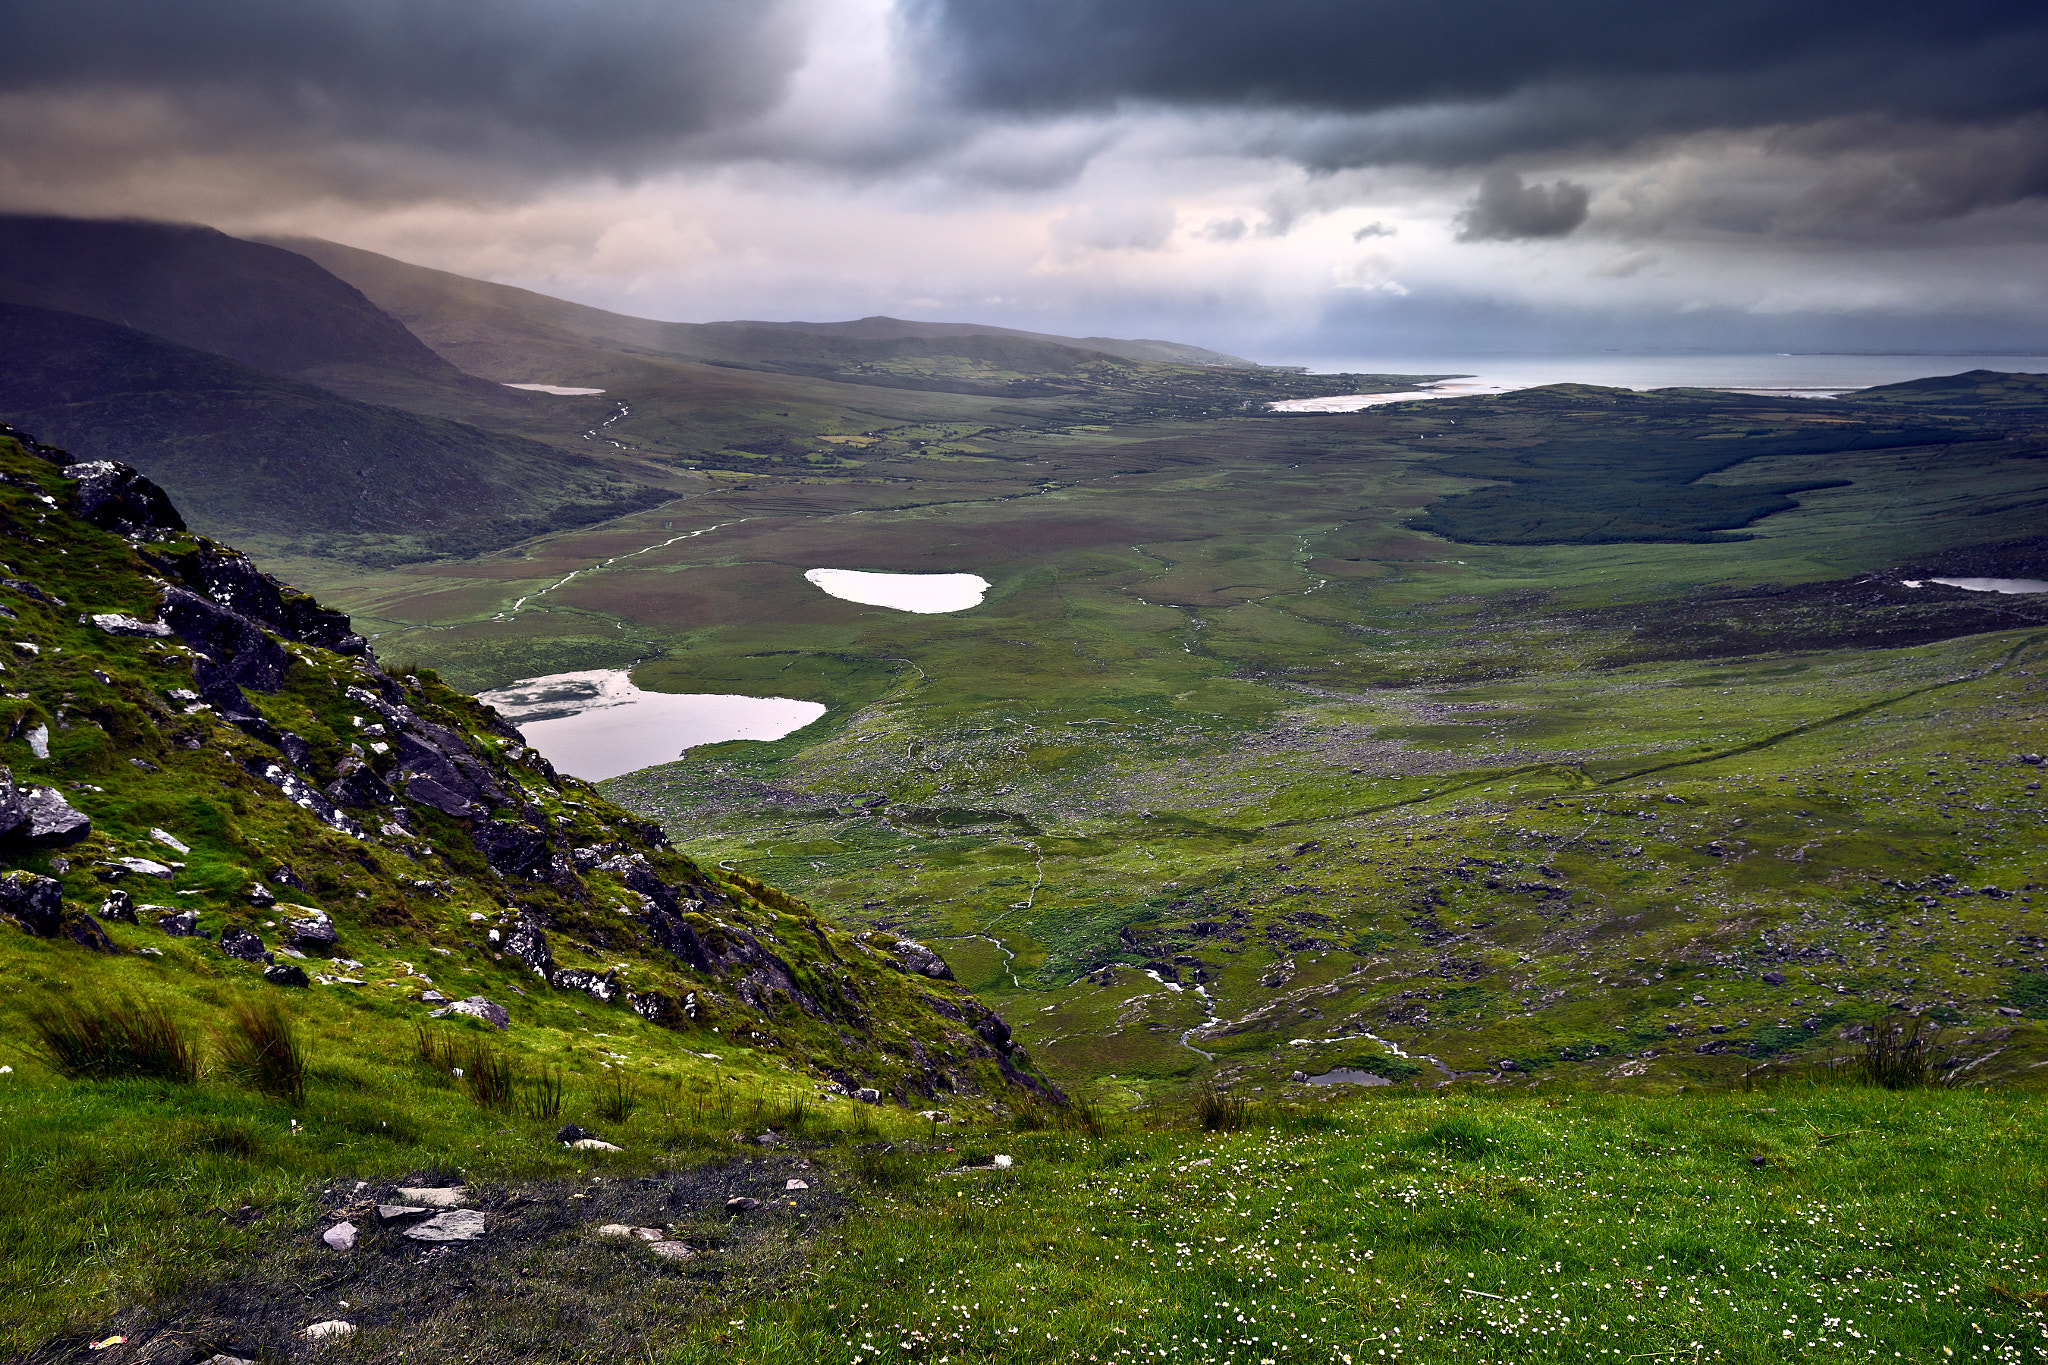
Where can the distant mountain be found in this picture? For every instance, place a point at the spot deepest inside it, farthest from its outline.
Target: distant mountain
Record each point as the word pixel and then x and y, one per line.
pixel 896 329
pixel 287 464
pixel 515 335
pixel 270 309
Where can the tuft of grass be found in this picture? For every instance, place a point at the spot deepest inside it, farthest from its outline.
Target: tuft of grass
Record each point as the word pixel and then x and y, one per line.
pixel 489 1077
pixel 541 1097
pixel 101 1040
pixel 1898 1054
pixel 439 1053
pixel 1216 1113
pixel 261 1049
pixel 618 1100
pixel 884 1167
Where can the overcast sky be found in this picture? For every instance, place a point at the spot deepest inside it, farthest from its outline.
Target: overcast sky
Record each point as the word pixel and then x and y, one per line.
pixel 1289 179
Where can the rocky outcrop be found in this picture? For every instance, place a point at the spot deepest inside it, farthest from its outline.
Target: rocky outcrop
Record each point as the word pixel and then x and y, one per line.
pixel 415 820
pixel 115 497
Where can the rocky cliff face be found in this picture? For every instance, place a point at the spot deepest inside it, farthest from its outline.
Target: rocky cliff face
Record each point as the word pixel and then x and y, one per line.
pixel 199 752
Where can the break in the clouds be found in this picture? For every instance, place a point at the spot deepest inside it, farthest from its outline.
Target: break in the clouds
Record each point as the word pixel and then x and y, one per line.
pixel 1293 173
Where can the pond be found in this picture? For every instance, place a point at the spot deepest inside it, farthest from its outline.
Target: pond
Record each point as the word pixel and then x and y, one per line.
pixel 597 724
pixel 1345 1075
pixel 928 593
pixel 559 390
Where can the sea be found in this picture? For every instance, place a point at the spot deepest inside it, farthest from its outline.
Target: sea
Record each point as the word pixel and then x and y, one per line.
pixel 1795 375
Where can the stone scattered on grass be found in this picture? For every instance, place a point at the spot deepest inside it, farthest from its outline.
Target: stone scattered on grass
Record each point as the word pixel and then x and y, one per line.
pixel 456 1225
pixel 794 1184
pixel 594 1145
pixel 226 1360
pixel 477 1007
pixel 240 943
pixel 398 1213
pixel 334 1329
pixel 671 1251
pixel 182 924
pixel 623 1230
pixel 436 1197
pixel 286 974
pixel 342 1237
pixel 741 1204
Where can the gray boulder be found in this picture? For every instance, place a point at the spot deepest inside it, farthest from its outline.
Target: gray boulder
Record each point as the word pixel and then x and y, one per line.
pixel 286 974
pixel 35 903
pixel 477 1007
pixel 240 943
pixel 310 927
pixel 117 906
pixel 51 820
pixel 181 924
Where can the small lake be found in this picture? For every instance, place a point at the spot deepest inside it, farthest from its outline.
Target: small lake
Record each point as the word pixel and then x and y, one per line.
pixel 560 391
pixel 1345 1075
pixel 929 593
pixel 597 724
pixel 1983 584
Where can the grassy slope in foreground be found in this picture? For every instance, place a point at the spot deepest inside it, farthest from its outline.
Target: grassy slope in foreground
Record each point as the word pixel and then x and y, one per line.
pixel 1789 1224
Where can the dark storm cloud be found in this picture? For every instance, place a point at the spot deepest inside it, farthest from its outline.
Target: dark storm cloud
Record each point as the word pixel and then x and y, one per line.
pixel 1507 210
pixel 1559 75
pixel 504 78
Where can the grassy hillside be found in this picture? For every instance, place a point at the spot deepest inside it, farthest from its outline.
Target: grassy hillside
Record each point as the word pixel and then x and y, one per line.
pixel 225 824
pixel 288 466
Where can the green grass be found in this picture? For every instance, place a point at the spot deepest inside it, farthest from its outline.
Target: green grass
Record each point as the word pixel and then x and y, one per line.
pixel 1799 1220
pixel 121 1190
pixel 1787 1224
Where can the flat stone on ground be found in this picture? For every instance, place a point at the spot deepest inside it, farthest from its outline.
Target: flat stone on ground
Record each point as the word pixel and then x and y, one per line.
pixel 671 1251
pixel 436 1197
pixel 456 1225
pixel 332 1330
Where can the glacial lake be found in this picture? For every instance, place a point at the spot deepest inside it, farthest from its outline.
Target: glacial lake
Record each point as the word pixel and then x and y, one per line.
pixel 597 724
pixel 929 593
pixel 559 390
